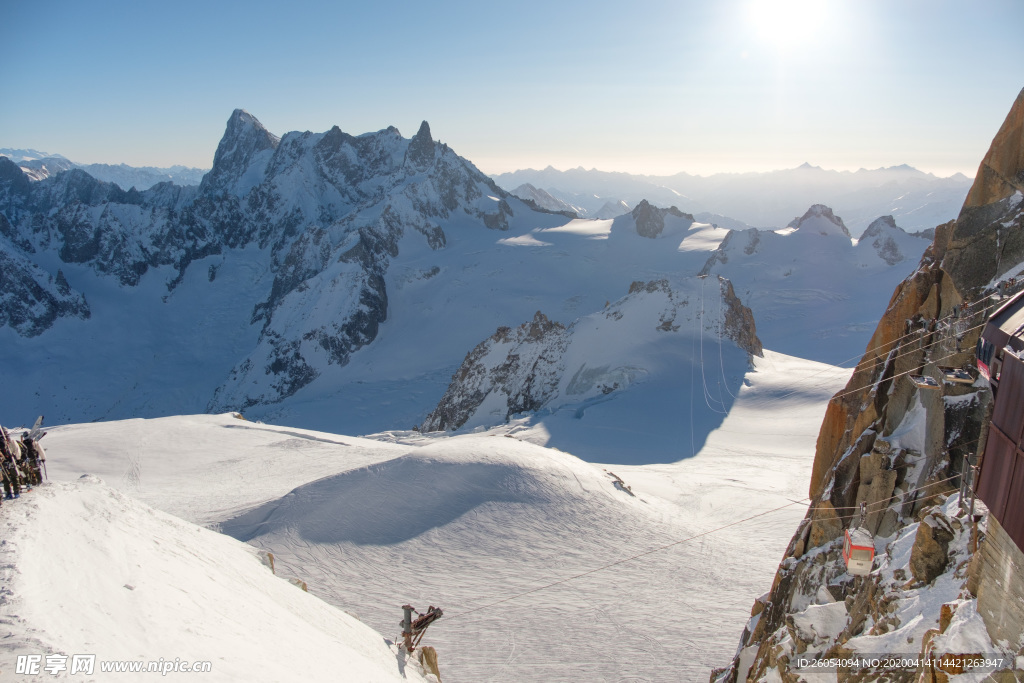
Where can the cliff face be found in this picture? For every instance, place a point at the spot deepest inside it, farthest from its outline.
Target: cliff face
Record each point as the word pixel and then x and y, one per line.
pixel 897 447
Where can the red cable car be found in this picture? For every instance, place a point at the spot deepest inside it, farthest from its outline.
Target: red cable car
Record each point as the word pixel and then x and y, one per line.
pixel 859 551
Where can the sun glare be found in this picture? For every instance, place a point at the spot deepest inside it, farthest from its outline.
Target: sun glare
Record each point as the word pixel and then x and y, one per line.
pixel 786 24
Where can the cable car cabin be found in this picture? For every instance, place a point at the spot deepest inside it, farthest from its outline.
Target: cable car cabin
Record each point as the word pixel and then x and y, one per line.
pixel 1004 329
pixel 924 382
pixel 956 376
pixel 859 551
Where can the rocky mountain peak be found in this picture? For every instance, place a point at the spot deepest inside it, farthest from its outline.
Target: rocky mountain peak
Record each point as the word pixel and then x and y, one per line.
pixel 819 218
pixel 245 143
pixel 650 220
pixel 421 147
pixel 543 364
pixel 879 225
pixel 885 237
pixel 12 176
pixel 1001 172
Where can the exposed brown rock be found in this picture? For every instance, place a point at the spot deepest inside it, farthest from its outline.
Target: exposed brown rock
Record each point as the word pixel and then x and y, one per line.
pixel 825 526
pixel 930 553
pixel 876 487
pixel 739 321
pixel 999 174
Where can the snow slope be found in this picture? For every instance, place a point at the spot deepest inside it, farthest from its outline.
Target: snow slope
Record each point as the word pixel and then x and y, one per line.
pixel 467 521
pixel 90 570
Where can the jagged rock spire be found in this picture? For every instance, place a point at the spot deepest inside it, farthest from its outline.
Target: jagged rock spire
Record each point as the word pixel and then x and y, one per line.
pixel 244 138
pixel 421 147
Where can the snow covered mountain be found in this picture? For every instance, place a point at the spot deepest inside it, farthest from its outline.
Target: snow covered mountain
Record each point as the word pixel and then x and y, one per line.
pixel 645 345
pixel 917 200
pixel 40 165
pixel 295 236
pixel 814 292
pixel 543 199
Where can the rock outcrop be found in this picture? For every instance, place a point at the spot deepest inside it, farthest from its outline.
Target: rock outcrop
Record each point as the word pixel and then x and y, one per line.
pixel 525 375
pixel 650 220
pixel 820 219
pixel 884 237
pixel 543 364
pixel 1000 174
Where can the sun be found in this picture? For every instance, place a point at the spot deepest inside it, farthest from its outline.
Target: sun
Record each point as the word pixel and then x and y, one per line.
pixel 788 24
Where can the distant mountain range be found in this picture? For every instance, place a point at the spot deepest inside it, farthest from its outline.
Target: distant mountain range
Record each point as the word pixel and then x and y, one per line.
pixel 332 280
pixel 917 200
pixel 38 165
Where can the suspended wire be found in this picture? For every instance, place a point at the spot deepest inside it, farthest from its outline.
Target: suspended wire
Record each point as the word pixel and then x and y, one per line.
pixel 892 344
pixel 660 548
pixel 700 333
pixel 900 374
pixel 824 383
pixel 707 395
pixel 702 376
pixel 884 504
pixel 624 560
pixel 949 316
pixel 920 333
pixel 837 458
pixel 721 361
pixel 880 505
pixel 693 447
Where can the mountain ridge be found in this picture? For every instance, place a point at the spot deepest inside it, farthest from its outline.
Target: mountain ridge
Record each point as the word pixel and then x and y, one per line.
pixel 39 165
pixel 917 199
pixel 309 201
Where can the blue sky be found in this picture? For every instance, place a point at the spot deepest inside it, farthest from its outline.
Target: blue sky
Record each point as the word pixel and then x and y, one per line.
pixel 645 87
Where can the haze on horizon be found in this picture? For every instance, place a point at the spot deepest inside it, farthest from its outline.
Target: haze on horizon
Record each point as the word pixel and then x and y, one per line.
pixel 657 88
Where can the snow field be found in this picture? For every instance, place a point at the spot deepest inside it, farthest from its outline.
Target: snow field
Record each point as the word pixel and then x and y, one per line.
pixel 89 570
pixel 465 522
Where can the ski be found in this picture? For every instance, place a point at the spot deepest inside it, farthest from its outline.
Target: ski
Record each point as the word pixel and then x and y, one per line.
pixel 35 433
